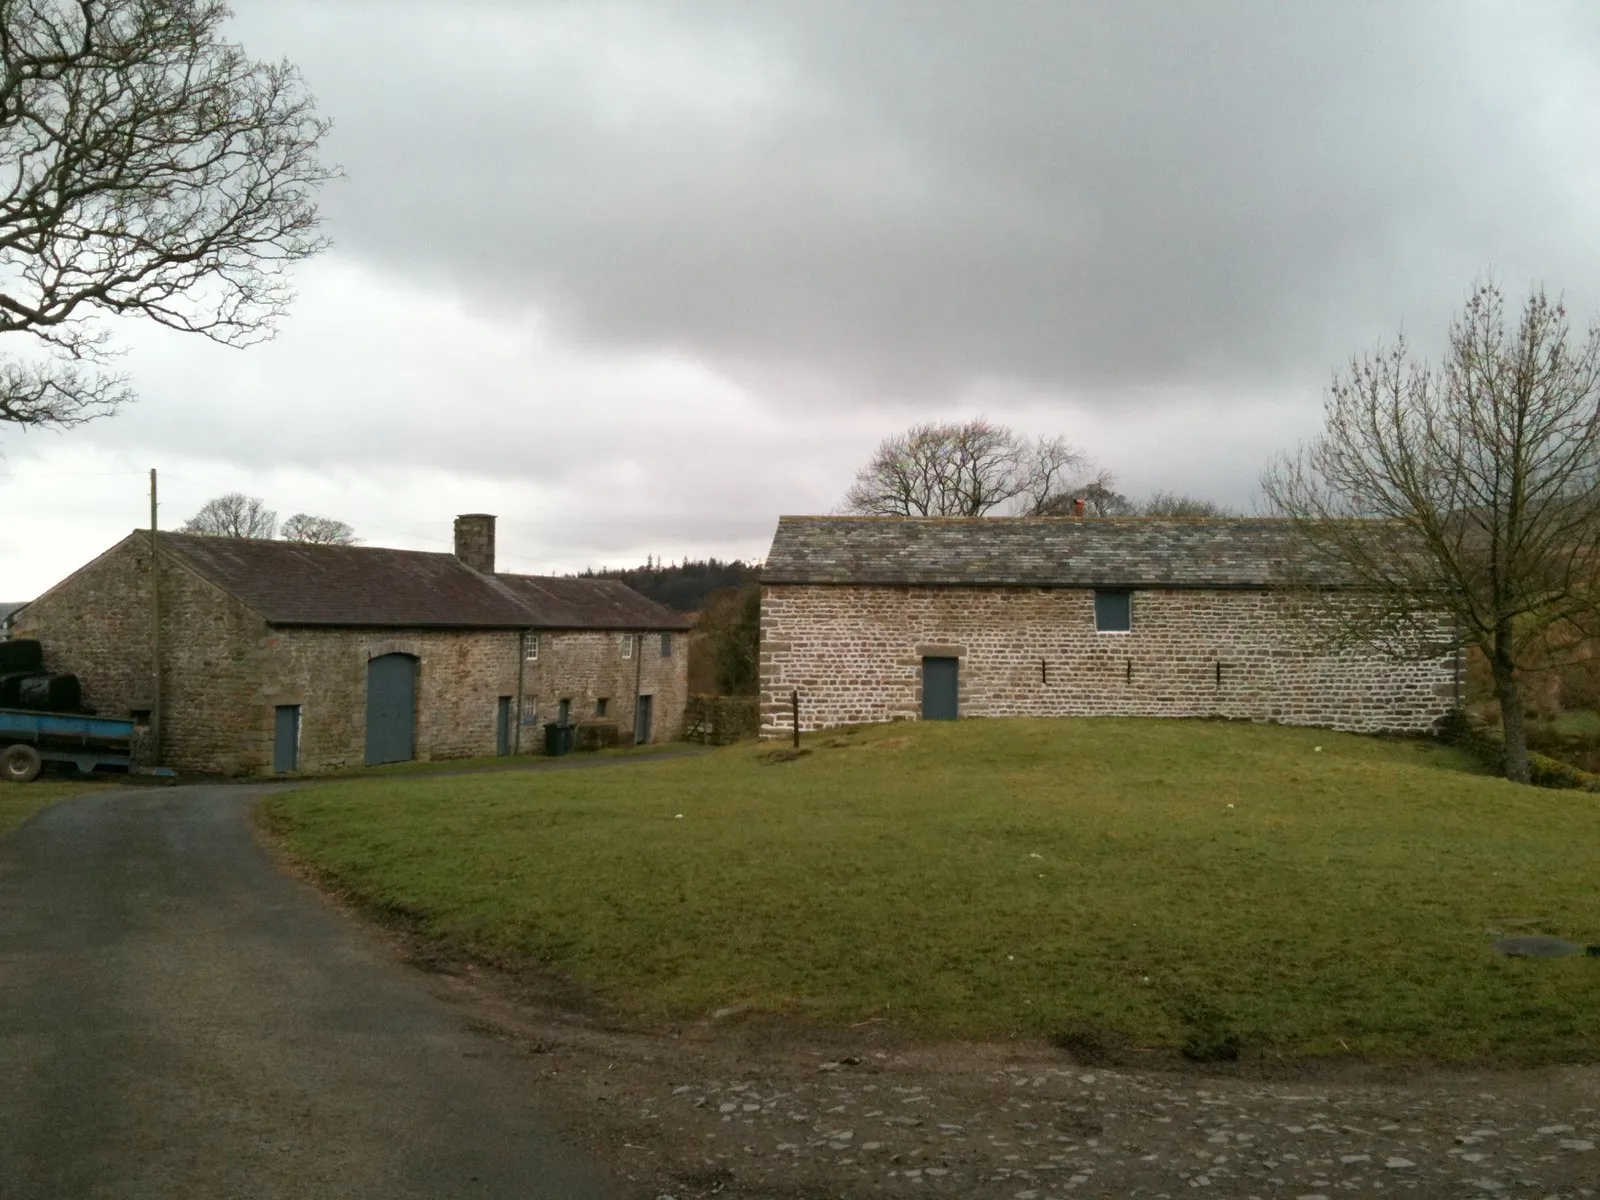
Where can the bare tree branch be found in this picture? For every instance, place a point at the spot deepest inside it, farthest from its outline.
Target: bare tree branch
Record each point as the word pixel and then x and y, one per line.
pixel 969 469
pixel 147 167
pixel 1175 504
pixel 1098 495
pixel 1472 487
pixel 233 515
pixel 56 393
pixel 318 531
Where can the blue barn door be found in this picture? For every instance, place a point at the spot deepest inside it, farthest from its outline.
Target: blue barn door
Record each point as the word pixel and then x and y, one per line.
pixel 286 738
pixel 641 720
pixel 941 689
pixel 502 726
pixel 391 708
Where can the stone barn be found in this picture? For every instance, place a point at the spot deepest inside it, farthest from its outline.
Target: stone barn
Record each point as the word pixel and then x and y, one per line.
pixel 276 656
pixel 886 618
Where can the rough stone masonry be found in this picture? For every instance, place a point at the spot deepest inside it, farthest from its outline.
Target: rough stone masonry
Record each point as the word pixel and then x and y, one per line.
pixel 1210 627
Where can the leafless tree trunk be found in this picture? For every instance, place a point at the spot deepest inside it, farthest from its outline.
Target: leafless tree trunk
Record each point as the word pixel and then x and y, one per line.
pixel 1471 488
pixel 147 167
pixel 960 470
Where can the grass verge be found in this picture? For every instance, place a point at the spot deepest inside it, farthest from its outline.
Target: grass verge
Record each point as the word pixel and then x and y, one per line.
pixel 497 762
pixel 19 801
pixel 1219 888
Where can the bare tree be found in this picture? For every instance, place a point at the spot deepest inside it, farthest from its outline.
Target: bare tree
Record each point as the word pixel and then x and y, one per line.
pixel 147 167
pixel 1175 504
pixel 966 469
pixel 1471 488
pixel 318 531
pixel 234 515
pixel 1099 496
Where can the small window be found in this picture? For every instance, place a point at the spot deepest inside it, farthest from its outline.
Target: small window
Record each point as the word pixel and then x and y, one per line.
pixel 1113 611
pixel 666 645
pixel 601 705
pixel 627 645
pixel 530 647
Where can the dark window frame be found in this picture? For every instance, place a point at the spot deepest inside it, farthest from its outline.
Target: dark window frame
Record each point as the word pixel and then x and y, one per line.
pixel 1106 602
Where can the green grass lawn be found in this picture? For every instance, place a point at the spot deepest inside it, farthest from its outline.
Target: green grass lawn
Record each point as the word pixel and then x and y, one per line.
pixel 1174 882
pixel 19 801
pixel 500 762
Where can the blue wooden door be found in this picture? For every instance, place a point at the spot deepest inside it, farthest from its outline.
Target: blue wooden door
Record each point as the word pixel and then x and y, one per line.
pixel 391 708
pixel 286 738
pixel 641 720
pixel 941 689
pixel 502 726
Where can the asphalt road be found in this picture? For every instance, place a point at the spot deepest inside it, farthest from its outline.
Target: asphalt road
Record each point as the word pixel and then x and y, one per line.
pixel 178 1019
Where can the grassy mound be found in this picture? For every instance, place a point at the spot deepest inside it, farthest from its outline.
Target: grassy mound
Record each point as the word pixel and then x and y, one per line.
pixel 1224 888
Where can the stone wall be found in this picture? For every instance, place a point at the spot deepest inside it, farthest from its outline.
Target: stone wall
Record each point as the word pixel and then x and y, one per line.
pixel 96 625
pixel 855 655
pixel 587 667
pixel 721 720
pixel 461 675
pixel 225 671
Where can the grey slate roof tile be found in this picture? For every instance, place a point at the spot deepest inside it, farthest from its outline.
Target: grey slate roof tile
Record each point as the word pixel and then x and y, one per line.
pixel 290 583
pixel 1148 552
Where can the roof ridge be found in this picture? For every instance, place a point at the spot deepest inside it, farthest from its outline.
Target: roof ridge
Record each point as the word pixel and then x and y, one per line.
pixel 317 547
pixel 1015 520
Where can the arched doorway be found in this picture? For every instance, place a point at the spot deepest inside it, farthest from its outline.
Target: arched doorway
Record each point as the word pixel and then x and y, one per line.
pixel 391 708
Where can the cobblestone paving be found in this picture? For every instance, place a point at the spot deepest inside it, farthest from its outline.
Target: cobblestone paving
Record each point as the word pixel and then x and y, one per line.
pixel 716 1109
pixel 1036 1132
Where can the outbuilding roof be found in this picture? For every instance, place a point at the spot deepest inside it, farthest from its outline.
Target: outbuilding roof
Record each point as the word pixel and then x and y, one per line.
pixel 292 583
pixel 1143 552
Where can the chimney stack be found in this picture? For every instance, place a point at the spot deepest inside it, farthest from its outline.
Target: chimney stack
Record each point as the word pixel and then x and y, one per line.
pixel 475 541
pixel 1077 511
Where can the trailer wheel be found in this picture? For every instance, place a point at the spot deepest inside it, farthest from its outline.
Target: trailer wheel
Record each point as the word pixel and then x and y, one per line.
pixel 19 764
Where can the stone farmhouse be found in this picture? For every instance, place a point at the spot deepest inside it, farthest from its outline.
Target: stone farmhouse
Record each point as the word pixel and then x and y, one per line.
pixel 884 618
pixel 279 656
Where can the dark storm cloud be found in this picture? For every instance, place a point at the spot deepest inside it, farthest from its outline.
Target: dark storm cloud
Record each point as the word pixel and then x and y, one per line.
pixel 905 196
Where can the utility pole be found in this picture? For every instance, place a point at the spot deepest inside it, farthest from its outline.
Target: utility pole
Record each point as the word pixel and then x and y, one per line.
pixel 155 631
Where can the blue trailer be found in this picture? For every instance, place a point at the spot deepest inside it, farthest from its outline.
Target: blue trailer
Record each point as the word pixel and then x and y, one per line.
pixel 30 739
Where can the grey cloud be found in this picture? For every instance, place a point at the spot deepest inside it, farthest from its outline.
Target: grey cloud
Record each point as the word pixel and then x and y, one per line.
pixel 908 196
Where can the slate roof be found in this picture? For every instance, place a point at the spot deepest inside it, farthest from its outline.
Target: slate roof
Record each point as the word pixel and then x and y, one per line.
pixel 1147 552
pixel 565 603
pixel 290 583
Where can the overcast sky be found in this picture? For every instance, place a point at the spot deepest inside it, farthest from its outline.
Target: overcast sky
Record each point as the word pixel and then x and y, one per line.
pixel 640 277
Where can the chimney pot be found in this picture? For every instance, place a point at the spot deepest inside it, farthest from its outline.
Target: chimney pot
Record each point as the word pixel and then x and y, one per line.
pixel 475 541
